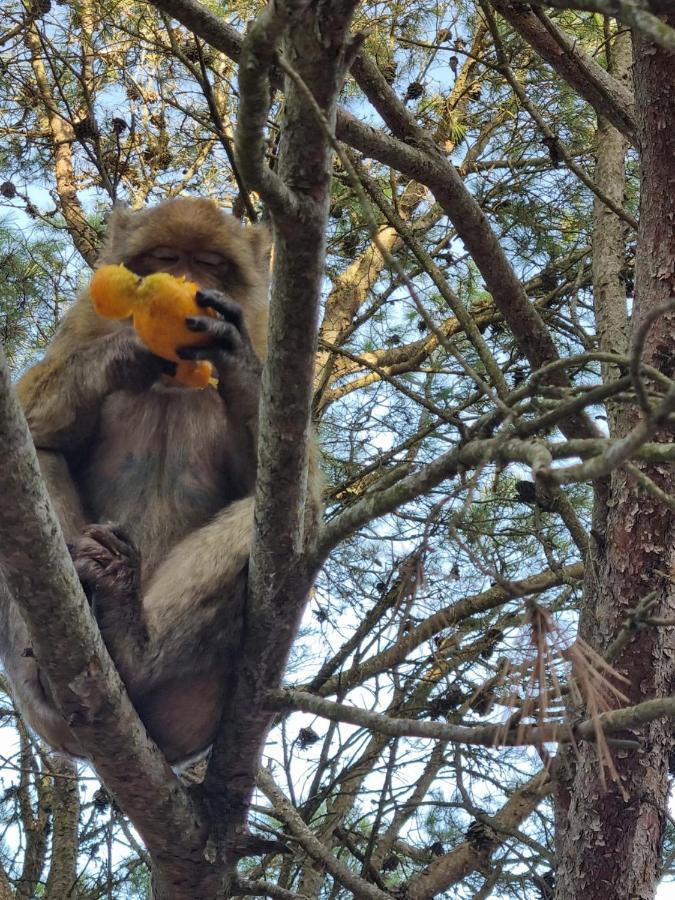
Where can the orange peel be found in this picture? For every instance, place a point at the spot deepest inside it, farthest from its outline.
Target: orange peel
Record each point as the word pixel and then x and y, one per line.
pixel 158 306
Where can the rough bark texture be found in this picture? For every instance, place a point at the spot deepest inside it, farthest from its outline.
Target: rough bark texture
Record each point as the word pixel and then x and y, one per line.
pixel 610 839
pixel 66 808
pixel 5 888
pixel 609 232
pixel 34 819
pixel 316 46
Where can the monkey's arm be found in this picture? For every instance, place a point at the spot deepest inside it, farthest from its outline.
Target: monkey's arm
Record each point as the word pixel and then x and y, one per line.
pixel 87 359
pixel 239 369
pixel 62 492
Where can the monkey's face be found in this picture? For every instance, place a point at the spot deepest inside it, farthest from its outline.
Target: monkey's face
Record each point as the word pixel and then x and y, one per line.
pixel 211 270
pixel 194 238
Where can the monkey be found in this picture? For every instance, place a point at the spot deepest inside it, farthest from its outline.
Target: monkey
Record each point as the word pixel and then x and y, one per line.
pixel 153 482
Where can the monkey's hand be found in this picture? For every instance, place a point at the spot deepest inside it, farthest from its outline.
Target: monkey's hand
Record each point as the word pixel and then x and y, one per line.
pixel 132 366
pixel 108 565
pixel 230 351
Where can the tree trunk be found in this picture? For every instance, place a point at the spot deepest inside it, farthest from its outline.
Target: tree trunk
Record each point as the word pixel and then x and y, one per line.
pixel 609 839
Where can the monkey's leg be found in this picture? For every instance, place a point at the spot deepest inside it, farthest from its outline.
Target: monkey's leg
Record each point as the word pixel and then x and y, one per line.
pixel 109 568
pixel 31 695
pixel 190 615
pixel 198 574
pixel 179 617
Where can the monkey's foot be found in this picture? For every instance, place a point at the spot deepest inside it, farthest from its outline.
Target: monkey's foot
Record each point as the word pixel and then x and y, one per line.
pixel 107 562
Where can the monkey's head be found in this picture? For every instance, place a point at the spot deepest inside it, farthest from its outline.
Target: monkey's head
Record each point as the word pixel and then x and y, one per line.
pixel 193 237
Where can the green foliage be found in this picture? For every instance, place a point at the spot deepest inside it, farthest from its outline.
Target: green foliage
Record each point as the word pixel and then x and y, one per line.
pixel 34 282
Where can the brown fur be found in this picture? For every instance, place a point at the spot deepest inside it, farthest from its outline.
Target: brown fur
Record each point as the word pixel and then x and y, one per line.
pixel 173 467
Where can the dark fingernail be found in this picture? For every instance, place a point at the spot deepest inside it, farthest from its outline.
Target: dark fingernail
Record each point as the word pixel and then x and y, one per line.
pixel 185 352
pixel 195 324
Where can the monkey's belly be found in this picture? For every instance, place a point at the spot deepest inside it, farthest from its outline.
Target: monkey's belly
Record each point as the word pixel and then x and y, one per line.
pixel 159 466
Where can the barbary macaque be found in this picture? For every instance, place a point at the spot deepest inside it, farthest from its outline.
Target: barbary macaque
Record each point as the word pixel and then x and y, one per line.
pixel 152 481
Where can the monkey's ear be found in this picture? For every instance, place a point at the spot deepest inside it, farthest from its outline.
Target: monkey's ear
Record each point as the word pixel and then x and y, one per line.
pixel 261 243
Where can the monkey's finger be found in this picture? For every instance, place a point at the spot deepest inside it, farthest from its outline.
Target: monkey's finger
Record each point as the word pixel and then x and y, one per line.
pixel 228 309
pixel 224 334
pixel 168 367
pixel 89 559
pixel 111 538
pixel 192 354
pixel 215 355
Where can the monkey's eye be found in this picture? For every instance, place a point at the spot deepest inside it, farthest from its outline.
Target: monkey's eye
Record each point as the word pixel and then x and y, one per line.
pixel 212 260
pixel 164 254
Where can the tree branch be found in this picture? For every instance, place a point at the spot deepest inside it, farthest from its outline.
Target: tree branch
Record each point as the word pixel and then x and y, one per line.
pixel 451 868
pixel 642 15
pixel 353 882
pixel 285 516
pixel 608 97
pixel 446 618
pixel 75 662
pixel 378 503
pixel 441 177
pixel 550 137
pixel 289 700
pixel 258 54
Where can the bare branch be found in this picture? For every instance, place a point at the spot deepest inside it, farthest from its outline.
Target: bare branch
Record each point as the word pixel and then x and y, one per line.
pixel 550 137
pixel 205 24
pixel 481 735
pixel 314 847
pixel 285 516
pixel 449 869
pixel 61 137
pixel 378 503
pixel 608 96
pixel 434 170
pixel 258 54
pixel 446 618
pixel 618 452
pixel 642 15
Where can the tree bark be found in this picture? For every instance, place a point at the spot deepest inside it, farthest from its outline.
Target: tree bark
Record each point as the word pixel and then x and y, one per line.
pixel 610 839
pixel 609 232
pixel 66 808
